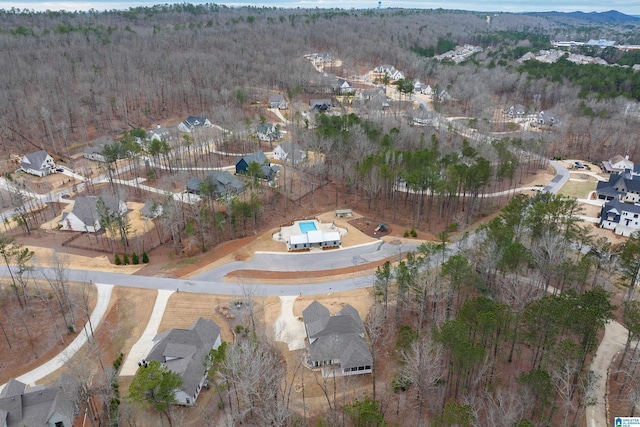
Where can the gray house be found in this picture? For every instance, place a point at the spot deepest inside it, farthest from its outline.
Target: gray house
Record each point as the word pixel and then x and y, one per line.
pixel 277 101
pixel 21 405
pixel 184 351
pixel 38 163
pixel 336 344
pixel 222 184
pixel 289 152
pixel 85 215
pixel 324 104
pixel 95 152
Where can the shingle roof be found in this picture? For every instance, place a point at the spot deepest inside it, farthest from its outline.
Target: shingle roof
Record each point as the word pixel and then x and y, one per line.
pixel 34 160
pixel 183 351
pixel 258 157
pixel 336 337
pixel 86 208
pixel 34 406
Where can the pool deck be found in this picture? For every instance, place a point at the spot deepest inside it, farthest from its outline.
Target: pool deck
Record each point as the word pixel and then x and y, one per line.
pixel 325 227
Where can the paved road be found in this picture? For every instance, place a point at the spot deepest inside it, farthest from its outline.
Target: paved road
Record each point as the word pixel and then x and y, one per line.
pixel 561 178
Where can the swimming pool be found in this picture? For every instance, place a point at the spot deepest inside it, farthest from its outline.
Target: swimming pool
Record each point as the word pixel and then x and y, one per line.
pixel 305 227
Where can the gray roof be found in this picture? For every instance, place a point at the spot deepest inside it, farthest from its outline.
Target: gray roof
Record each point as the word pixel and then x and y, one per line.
pixel 151 209
pixel 184 351
pixel 34 160
pixel 336 337
pixel 258 157
pixel 278 97
pixel 621 206
pixel 292 149
pixel 34 406
pixel 86 208
pixel 315 318
pixel 195 121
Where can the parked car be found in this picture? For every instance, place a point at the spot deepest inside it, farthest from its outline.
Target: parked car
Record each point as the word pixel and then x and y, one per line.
pixel 59 170
pixel 579 165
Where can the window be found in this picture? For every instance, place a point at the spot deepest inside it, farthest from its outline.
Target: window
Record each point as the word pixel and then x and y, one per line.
pixel 59 424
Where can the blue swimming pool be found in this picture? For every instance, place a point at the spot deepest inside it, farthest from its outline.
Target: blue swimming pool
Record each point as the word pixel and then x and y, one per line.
pixel 305 227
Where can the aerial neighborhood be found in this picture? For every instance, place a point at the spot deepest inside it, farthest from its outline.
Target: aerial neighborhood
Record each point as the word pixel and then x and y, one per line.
pixel 401 217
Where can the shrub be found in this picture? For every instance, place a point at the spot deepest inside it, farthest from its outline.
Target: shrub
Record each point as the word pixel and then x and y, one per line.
pixel 125 259
pixel 117 260
pixel 134 259
pixel 414 233
pixel 406 233
pixel 145 257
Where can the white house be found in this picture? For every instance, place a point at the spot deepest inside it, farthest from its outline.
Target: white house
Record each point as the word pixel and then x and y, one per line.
pixel 95 152
pixel 192 123
pixel 343 87
pixel 85 215
pixel 159 133
pixel 623 218
pixel 267 132
pixel 185 351
pixel 617 164
pixel 390 71
pixel 289 152
pixel 39 163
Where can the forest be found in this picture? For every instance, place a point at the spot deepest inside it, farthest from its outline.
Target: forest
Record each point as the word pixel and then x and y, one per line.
pixel 502 332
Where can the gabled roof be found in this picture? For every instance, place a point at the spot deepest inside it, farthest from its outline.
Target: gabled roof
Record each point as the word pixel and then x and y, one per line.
pixel 292 150
pixel 278 97
pixel 184 351
pixel 193 184
pixel 35 160
pixel 258 157
pixel 265 128
pixel 34 406
pixel 86 208
pixel 195 121
pixel 315 317
pixel 619 207
pixel 151 209
pixel 336 337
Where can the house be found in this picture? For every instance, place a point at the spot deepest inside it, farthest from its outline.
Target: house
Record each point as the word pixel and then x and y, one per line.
pixel 343 87
pixel 267 132
pixel 314 239
pixel 317 105
pixel 268 171
pixel 390 71
pixel 38 163
pixel 49 406
pixel 159 134
pixel 343 213
pixel 419 87
pixel 442 96
pixel 547 119
pixel 277 101
pixel 623 218
pixel 617 164
pixel 192 123
pixel 242 163
pixel 289 152
pixel 95 152
pixel 514 111
pixel 336 344
pixel 624 187
pixel 151 210
pixel 185 351
pixel 220 183
pixel 320 58
pixel 85 215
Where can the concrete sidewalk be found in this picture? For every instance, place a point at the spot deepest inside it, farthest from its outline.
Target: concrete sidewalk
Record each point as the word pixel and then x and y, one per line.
pixel 104 296
pixel 141 349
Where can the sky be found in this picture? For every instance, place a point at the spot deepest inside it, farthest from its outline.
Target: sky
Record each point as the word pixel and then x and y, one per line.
pixel 628 7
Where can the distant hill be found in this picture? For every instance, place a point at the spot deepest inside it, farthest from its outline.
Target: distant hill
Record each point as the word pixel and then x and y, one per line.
pixel 610 17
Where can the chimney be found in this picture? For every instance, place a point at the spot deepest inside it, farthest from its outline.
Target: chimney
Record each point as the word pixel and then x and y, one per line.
pixel 626 156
